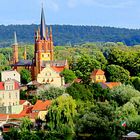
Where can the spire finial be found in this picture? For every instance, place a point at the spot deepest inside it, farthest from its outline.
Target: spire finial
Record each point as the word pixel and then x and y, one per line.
pixel 43 25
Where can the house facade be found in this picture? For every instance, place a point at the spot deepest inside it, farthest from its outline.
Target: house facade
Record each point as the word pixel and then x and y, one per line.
pixel 10 97
pixel 10 74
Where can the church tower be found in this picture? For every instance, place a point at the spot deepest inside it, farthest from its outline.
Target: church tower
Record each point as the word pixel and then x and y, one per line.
pixel 15 49
pixel 43 46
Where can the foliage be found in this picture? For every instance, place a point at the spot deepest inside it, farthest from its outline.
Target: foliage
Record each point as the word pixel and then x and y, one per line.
pixel 25 76
pixel 123 94
pixel 61 114
pixel 69 75
pixel 80 91
pixel 85 65
pixel 51 93
pixel 115 73
pixel 69 34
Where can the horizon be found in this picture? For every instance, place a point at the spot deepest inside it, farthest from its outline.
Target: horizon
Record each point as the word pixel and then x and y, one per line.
pixel 118 14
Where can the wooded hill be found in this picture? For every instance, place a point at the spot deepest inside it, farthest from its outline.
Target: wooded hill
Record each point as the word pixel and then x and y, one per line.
pixel 68 34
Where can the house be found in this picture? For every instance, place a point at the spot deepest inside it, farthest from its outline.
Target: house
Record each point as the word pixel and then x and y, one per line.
pixel 51 75
pixel 9 97
pixel 10 74
pixel 98 76
pixel 41 107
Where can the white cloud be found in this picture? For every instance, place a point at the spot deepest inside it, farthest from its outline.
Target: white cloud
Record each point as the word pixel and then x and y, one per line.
pixel 53 5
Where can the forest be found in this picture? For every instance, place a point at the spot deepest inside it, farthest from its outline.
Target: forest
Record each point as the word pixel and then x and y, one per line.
pixel 70 34
pixel 85 110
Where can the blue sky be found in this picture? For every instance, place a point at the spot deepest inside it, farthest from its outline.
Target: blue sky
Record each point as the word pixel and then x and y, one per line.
pixel 116 13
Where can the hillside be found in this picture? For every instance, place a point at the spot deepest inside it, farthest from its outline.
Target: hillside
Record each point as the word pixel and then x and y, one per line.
pixel 68 34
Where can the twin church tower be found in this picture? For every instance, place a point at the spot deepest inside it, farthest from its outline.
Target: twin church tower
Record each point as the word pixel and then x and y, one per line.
pixel 43 52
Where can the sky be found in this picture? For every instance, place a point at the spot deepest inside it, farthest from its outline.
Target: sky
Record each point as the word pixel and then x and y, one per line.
pixel 114 13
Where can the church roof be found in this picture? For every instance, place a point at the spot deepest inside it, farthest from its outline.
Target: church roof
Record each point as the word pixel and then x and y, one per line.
pixel 23 63
pixel 42 26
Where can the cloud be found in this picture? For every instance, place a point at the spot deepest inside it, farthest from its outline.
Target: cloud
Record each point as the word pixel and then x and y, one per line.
pixel 102 3
pixel 53 5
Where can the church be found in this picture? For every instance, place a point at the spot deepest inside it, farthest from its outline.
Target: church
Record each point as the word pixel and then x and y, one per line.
pixel 44 69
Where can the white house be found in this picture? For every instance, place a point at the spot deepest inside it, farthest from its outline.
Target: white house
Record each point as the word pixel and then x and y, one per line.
pixel 10 74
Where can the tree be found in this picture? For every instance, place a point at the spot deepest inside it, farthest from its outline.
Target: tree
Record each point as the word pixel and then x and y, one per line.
pixel 80 92
pixel 85 65
pixel 123 94
pixel 61 114
pixel 25 76
pixel 136 82
pixel 115 73
pixel 97 119
pixel 51 93
pixel 69 75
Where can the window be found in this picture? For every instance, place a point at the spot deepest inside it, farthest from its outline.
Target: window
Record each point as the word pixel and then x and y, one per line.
pixel 9 95
pixel 9 103
pixel 42 55
pixel 16 95
pixel 98 77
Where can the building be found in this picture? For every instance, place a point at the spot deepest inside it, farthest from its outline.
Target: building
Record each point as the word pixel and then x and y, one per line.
pixel 10 74
pixel 10 97
pixel 43 54
pixel 50 76
pixel 98 76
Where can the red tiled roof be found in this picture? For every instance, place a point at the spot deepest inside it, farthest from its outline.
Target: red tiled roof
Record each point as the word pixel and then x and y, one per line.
pixel 77 80
pixel 98 72
pixel 58 69
pixel 41 105
pixel 1 85
pixel 22 102
pixel 110 84
pixel 16 85
pixel 113 84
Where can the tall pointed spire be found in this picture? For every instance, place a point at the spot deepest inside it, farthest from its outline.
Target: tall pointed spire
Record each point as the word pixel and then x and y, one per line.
pixel 43 25
pixel 15 39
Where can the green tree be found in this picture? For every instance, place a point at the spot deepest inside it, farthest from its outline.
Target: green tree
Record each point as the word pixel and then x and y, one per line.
pixel 85 65
pixel 69 75
pixel 115 73
pixel 51 93
pixel 60 117
pixel 80 91
pixel 123 94
pixel 25 76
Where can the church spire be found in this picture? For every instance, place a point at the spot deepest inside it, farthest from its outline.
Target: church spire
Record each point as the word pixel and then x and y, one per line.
pixel 42 26
pixel 15 39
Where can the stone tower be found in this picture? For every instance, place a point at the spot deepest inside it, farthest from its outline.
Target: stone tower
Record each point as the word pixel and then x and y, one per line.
pixel 15 49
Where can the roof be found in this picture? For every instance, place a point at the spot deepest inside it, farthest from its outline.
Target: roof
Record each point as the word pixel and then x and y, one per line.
pixel 41 105
pixel 58 69
pixel 22 102
pixel 98 72
pixel 1 85
pixel 16 84
pixel 42 26
pixel 23 63
pixel 110 84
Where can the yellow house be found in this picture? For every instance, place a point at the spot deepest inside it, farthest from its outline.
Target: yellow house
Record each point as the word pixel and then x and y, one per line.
pixel 98 76
pixel 50 75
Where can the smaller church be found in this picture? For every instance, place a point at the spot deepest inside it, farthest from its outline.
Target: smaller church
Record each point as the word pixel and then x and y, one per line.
pixel 43 67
